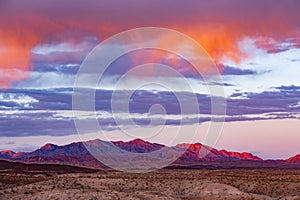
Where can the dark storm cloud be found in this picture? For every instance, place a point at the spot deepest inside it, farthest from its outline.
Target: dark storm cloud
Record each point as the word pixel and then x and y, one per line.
pixel 281 100
pixel 228 70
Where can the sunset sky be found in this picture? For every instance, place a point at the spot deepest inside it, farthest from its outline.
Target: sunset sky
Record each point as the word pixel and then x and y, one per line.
pixel 255 45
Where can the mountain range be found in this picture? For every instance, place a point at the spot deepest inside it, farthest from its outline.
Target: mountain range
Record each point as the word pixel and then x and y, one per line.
pixel 192 155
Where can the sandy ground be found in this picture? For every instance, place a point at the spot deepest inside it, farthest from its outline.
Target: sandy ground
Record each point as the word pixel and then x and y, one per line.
pixel 163 184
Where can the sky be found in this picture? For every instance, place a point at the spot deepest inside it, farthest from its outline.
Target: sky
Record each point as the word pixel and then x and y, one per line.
pixel 254 44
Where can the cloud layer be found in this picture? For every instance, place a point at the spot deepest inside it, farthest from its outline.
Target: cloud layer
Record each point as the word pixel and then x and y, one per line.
pixel 53 115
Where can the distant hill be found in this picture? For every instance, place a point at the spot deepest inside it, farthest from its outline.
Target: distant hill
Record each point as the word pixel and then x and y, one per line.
pixel 17 167
pixel 295 159
pixel 192 155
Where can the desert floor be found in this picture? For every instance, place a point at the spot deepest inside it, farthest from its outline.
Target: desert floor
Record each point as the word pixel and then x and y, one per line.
pixel 162 184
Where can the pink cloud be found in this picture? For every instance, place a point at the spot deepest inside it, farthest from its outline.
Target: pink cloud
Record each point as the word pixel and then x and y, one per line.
pixel 216 25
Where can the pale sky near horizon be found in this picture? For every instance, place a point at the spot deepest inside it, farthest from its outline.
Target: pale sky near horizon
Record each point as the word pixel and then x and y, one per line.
pixel 270 139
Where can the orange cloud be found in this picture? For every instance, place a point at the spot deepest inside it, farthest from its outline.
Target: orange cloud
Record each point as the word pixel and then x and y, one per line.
pixel 15 57
pixel 217 25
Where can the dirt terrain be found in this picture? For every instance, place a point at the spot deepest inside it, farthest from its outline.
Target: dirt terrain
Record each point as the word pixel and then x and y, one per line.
pixel 20 181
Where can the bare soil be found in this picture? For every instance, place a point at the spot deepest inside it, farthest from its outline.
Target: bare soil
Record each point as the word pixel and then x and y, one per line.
pixel 44 182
